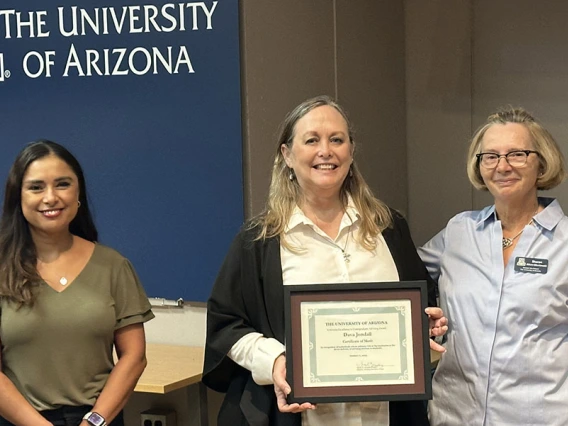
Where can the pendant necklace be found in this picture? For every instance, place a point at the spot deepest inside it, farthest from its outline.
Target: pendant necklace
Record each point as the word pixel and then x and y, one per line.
pixel 61 280
pixel 508 242
pixel 346 256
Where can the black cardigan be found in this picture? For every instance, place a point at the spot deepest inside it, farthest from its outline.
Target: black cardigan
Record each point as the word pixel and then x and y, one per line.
pixel 248 297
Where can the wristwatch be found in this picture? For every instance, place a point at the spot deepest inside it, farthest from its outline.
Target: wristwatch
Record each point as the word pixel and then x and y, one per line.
pixel 94 419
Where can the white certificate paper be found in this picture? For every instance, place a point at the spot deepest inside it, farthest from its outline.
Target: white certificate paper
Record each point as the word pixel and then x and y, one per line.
pixel 357 343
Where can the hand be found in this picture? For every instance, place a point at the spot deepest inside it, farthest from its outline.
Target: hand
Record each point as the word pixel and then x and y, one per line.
pixel 282 388
pixel 438 325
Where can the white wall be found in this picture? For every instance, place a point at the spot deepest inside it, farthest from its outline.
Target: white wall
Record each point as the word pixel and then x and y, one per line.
pixel 178 326
pixel 175 326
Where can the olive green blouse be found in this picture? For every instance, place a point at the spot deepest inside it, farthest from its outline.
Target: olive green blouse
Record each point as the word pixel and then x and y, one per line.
pixel 59 351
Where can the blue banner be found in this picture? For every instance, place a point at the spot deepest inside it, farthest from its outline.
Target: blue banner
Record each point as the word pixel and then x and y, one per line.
pixel 147 96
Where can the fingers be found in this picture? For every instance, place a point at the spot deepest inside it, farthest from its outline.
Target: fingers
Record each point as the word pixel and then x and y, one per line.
pixel 434 313
pixel 438 320
pixel 438 329
pixel 295 408
pixel 437 347
pixel 283 405
pixel 438 323
pixel 282 389
pixel 438 326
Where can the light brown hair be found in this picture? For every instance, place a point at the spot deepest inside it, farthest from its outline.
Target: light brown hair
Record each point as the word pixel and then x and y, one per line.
pixel 284 193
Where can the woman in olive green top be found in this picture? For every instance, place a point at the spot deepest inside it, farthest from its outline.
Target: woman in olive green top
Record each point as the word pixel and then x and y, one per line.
pixel 65 301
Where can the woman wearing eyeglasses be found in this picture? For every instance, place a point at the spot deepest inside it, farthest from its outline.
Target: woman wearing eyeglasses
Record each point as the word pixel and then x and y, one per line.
pixel 503 282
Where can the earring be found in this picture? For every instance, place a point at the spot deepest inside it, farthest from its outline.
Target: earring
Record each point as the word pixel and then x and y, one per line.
pixel 291 175
pixel 78 203
pixel 351 171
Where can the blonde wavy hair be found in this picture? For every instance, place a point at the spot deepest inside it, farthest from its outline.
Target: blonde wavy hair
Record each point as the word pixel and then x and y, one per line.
pixel 552 169
pixel 284 193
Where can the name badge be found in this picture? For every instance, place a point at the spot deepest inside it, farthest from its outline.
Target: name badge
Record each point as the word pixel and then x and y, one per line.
pixel 532 265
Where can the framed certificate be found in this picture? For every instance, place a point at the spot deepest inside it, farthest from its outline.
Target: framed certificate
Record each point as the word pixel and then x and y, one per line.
pixel 357 342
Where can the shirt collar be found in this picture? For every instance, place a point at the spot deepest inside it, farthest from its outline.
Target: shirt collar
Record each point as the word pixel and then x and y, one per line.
pixel 551 215
pixel 486 216
pixel 548 218
pixel 298 217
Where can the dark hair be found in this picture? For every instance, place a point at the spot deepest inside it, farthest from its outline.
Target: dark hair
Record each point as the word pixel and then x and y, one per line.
pixel 18 273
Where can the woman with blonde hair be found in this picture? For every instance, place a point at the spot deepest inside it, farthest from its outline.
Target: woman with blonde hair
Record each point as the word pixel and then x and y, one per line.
pixel 321 225
pixel 503 280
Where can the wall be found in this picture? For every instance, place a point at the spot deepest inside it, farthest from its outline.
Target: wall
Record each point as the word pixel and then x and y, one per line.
pixel 465 59
pixel 438 104
pixel 354 51
pixel 521 60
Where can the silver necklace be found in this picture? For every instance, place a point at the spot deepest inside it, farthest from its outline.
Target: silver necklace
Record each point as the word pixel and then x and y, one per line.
pixel 62 279
pixel 346 256
pixel 508 242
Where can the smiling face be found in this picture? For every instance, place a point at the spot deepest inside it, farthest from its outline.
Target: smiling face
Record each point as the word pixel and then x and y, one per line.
pixel 50 191
pixel 321 152
pixel 507 183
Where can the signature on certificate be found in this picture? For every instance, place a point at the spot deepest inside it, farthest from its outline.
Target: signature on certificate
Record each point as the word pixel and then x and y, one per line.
pixel 367 365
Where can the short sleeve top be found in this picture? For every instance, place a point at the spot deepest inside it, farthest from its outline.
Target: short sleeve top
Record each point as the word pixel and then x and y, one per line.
pixel 59 351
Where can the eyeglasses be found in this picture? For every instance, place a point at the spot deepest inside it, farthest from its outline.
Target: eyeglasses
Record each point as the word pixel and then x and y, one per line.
pixel 489 160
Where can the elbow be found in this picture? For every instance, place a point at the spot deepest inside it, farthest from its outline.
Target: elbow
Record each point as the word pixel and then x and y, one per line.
pixel 134 364
pixel 142 363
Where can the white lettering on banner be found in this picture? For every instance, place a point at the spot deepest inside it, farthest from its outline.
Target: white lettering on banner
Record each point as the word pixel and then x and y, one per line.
pixel 124 59
pixel 112 61
pixel 7 28
pixel 131 19
pixel 33 24
pixel 43 64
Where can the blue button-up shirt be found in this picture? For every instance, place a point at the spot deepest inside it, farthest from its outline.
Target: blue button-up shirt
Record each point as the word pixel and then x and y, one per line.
pixel 507 349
